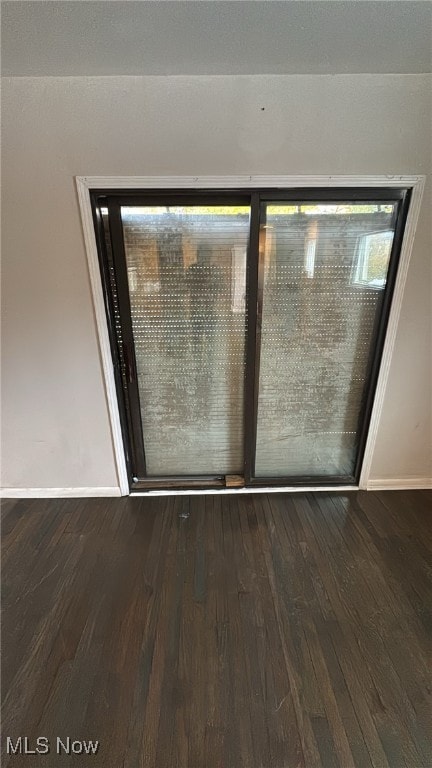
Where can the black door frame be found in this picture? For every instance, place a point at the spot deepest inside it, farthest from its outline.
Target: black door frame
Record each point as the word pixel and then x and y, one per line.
pixel 112 264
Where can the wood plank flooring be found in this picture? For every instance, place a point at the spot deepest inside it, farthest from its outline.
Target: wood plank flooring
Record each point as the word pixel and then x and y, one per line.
pixel 249 631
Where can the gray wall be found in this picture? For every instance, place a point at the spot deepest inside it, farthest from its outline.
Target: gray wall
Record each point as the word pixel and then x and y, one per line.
pixel 55 427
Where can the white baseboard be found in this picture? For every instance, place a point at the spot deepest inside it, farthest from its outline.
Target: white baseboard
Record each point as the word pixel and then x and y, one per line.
pixel 57 493
pixel 400 484
pixel 386 484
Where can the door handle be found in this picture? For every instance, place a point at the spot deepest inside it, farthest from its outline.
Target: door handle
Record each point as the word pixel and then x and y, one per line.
pixel 259 315
pixel 128 364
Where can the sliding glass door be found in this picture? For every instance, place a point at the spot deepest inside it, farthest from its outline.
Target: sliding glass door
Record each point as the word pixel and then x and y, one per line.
pixel 181 274
pixel 247 330
pixel 325 268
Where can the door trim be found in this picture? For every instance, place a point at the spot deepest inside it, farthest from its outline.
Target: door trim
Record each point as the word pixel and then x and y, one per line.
pixel 86 183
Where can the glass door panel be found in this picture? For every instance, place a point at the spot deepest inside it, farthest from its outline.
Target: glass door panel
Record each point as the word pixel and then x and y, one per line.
pixel 323 273
pixel 186 273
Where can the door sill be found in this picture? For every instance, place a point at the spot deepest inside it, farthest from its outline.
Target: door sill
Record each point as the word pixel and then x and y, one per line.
pixel 246 489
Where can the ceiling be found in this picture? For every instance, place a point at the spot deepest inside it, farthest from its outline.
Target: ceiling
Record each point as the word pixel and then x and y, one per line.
pixel 215 38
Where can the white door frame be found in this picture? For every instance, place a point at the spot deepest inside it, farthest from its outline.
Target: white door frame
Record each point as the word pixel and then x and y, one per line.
pixel 86 183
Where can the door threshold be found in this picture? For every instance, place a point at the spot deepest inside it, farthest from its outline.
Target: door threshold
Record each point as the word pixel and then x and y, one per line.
pixel 248 489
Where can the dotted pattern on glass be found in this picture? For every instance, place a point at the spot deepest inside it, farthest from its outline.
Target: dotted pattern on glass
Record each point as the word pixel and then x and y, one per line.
pixel 187 279
pixel 325 268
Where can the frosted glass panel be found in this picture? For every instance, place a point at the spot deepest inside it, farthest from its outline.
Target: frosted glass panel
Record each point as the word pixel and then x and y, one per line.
pixel 325 268
pixel 186 270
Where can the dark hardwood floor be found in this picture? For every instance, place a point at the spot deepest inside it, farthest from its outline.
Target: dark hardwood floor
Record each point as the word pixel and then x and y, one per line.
pixel 260 631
